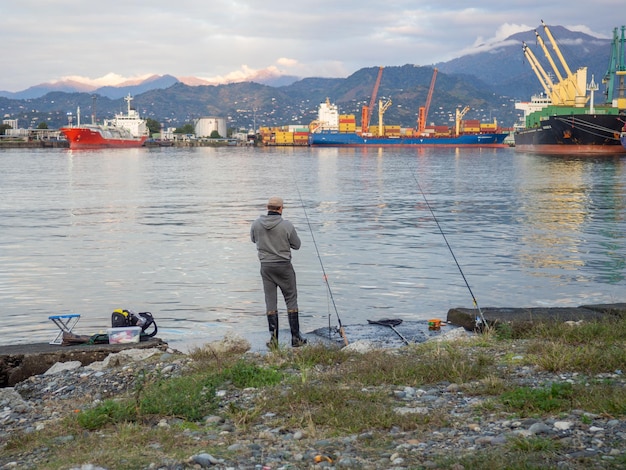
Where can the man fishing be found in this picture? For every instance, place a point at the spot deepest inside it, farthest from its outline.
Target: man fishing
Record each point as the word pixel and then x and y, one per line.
pixel 274 238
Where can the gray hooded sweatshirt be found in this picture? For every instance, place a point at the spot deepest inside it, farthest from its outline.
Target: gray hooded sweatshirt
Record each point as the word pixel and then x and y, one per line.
pixel 274 238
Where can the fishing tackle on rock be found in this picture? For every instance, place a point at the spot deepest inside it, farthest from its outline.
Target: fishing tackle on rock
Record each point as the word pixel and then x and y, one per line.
pixel 480 320
pixel 330 292
pixel 391 323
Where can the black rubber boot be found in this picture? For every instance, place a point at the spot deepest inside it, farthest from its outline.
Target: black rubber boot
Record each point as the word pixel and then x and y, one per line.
pixel 272 321
pixel 294 325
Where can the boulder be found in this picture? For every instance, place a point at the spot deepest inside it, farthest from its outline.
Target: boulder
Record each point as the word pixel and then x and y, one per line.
pixel 466 317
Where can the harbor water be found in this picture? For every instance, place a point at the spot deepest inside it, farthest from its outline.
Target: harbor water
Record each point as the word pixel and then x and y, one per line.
pixel 166 230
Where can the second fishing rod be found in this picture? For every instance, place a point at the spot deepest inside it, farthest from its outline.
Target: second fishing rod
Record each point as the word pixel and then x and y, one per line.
pixel 480 322
pixel 340 328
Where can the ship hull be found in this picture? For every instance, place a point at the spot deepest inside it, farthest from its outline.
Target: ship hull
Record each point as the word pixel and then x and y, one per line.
pixel 99 138
pixel 337 139
pixel 573 134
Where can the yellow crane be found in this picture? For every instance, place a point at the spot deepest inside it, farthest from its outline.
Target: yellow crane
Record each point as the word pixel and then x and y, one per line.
pixel 457 119
pixel 542 75
pixel 382 107
pixel 571 88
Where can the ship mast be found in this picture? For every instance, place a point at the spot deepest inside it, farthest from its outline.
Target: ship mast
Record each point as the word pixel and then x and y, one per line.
pixel 94 98
pixel 592 88
pixel 128 99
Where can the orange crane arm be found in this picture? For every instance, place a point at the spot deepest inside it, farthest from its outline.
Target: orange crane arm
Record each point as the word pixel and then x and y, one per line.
pixel 423 114
pixel 365 122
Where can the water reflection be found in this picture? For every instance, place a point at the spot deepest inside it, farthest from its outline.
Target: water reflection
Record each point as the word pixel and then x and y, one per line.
pixel 563 202
pixel 553 206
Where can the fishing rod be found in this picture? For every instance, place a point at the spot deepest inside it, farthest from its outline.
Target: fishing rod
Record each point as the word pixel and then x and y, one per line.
pixel 319 257
pixel 480 322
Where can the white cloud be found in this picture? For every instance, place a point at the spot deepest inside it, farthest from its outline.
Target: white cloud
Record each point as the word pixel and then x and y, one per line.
pixel 587 30
pixel 498 40
pixel 119 40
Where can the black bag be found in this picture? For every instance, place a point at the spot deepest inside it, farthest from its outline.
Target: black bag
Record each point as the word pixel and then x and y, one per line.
pixel 122 318
pixel 148 321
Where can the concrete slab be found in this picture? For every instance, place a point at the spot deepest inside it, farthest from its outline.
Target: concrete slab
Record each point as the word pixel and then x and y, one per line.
pixel 466 317
pixel 618 309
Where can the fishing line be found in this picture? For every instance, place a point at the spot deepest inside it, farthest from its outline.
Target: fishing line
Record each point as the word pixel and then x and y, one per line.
pixel 479 321
pixel 319 257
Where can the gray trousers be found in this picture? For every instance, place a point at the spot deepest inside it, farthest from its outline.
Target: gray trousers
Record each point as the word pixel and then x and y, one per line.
pixel 275 275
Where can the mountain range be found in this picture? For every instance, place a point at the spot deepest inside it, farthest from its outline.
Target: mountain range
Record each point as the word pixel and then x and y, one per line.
pixel 133 87
pixel 489 81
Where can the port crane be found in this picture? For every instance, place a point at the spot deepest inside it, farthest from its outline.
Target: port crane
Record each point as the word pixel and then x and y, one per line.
pixel 571 88
pixel 423 110
pixel 366 111
pixel 617 70
pixel 457 120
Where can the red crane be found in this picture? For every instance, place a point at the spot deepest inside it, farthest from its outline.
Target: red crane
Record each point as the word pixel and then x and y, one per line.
pixel 423 111
pixel 366 113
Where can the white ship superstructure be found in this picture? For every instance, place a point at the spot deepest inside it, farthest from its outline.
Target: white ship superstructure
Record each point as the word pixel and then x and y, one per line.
pixel 328 116
pixel 130 121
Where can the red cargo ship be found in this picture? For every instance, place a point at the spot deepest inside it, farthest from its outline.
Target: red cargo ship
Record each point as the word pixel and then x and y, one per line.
pixel 96 136
pixel 125 131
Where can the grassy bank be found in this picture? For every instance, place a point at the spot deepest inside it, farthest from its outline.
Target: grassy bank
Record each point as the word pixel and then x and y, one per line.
pixel 328 393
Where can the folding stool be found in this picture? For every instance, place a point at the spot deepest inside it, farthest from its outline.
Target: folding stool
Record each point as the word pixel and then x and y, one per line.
pixel 65 323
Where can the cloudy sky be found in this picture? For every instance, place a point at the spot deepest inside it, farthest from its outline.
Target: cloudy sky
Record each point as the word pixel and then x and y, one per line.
pixel 108 42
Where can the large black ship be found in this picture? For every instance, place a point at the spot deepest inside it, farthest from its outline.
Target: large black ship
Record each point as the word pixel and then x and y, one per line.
pixel 564 120
pixel 573 133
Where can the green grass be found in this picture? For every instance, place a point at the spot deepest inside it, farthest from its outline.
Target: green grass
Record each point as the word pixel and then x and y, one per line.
pixel 556 397
pixel 244 374
pixel 191 397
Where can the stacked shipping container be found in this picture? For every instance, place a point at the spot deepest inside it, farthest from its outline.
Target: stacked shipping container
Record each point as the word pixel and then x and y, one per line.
pixel 284 136
pixel 347 123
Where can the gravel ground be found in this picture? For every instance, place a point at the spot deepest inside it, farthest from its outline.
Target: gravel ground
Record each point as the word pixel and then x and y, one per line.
pixel 584 440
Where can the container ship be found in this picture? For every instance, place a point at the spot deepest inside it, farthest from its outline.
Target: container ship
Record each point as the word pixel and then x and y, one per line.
pixel 334 129
pixel 564 119
pixel 342 131
pixel 124 131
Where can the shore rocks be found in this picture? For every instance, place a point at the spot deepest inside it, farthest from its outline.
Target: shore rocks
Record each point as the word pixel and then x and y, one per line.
pixel 19 362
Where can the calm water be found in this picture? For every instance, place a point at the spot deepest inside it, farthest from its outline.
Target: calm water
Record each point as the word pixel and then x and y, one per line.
pixel 167 231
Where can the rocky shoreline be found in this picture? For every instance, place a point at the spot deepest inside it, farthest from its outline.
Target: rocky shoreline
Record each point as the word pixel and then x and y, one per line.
pixel 584 440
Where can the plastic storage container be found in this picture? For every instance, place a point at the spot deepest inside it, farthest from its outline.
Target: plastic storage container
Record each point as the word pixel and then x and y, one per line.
pixel 124 335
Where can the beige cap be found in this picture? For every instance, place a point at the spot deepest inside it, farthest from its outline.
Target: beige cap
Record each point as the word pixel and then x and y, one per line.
pixel 275 201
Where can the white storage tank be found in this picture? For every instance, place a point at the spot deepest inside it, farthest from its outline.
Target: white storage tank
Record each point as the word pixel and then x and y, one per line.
pixel 205 126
